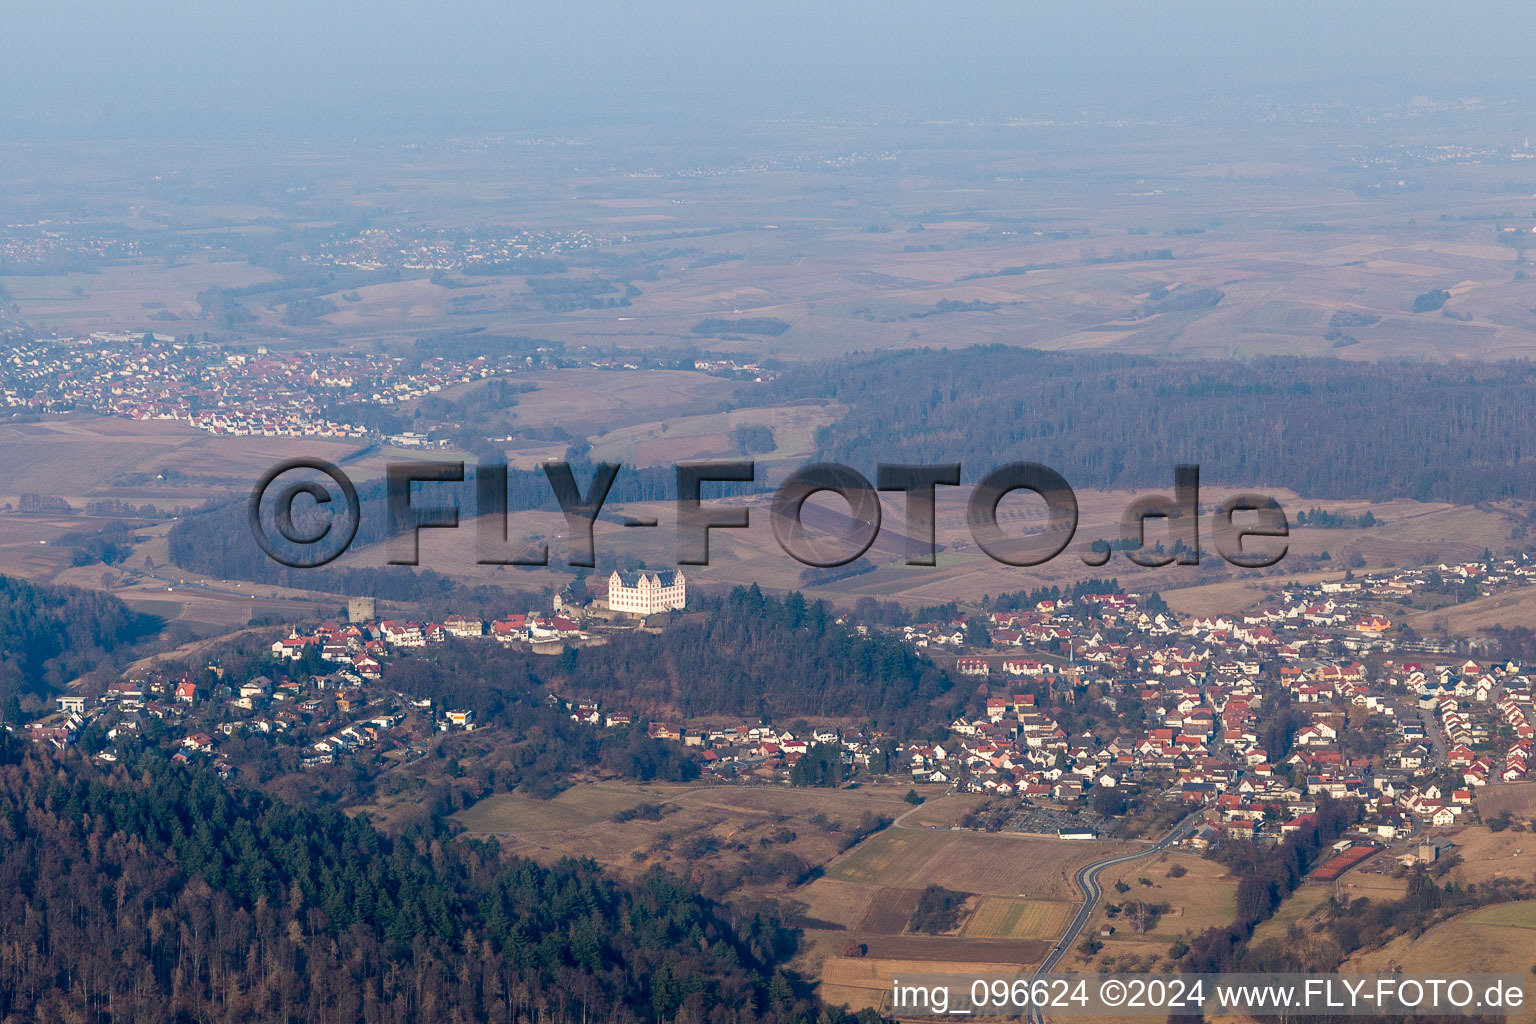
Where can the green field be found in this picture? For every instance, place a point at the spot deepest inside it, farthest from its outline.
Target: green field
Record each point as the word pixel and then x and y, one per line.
pixel 1018 919
pixel 1506 915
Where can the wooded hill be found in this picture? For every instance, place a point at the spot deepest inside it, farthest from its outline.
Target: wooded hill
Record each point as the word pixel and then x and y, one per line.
pixel 1459 432
pixel 149 892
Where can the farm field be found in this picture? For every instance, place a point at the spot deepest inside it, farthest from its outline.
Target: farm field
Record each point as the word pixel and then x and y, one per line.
pixel 889 911
pixel 1204 896
pixel 1486 854
pixel 1020 900
pixel 1496 939
pixel 81 457
pixel 578 807
pixel 996 918
pixel 860 982
pixel 693 827
pixel 706 434
pixel 998 864
pixel 1517 799
pixel 589 403
pixel 945 811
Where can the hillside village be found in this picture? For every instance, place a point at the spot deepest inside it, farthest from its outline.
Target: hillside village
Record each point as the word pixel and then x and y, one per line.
pixel 1090 706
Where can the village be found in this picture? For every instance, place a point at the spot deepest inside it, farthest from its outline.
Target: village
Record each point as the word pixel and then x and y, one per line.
pixel 265 394
pixel 1088 710
pixel 261 391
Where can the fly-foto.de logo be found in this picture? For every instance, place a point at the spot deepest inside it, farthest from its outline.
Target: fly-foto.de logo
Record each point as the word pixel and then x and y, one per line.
pixel 305 513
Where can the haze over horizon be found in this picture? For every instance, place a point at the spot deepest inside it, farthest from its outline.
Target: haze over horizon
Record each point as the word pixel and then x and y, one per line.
pixel 168 67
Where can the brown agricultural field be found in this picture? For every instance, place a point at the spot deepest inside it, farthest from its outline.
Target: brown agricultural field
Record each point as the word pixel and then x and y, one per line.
pixel 588 402
pixel 81 457
pixel 1517 799
pixel 706 826
pixel 859 982
pixel 889 911
pixel 1486 855
pixel 1000 864
pixel 690 435
pixel 122 295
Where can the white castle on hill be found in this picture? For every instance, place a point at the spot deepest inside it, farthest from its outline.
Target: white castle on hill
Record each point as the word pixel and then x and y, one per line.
pixel 647 591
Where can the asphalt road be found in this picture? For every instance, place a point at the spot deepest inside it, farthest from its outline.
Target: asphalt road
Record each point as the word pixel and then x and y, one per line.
pixel 1087 879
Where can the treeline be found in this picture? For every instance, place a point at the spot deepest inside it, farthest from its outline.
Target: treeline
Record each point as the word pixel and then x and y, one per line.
pixel 151 892
pixel 111 544
pixel 1428 302
pixel 51 634
pixel 1322 427
pixel 749 654
pixel 1179 300
pixel 937 911
pixel 1513 641
pixel 565 295
pixel 1326 520
pixel 45 504
pixel 112 507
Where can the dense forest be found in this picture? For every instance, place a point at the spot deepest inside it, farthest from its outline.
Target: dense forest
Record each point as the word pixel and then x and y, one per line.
pixel 49 634
pixel 149 892
pixel 1460 432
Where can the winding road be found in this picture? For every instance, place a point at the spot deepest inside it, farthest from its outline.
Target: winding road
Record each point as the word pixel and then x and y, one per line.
pixel 1087 880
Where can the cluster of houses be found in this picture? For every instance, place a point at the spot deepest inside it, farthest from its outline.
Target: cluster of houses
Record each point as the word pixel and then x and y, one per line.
pixel 336 712
pixel 437 250
pixel 265 394
pixel 360 646
pixel 1461 729
pixel 45 243
pixel 151 376
pixel 326 682
pixel 1203 685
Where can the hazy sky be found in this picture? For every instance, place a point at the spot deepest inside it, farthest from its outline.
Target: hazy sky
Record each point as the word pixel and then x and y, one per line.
pixel 378 62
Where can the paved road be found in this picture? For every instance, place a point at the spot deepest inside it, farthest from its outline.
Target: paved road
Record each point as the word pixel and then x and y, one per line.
pixel 1087 879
